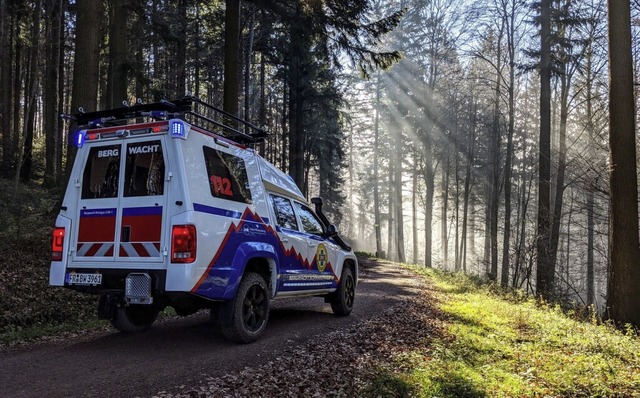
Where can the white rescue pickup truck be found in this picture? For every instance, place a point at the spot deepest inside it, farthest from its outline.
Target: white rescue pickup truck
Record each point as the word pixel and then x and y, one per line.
pixel 168 205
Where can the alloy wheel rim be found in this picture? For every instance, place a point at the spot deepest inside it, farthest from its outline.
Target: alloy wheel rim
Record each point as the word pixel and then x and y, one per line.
pixel 254 308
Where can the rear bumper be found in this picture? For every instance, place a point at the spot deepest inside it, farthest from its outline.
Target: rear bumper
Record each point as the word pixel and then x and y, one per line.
pixel 113 280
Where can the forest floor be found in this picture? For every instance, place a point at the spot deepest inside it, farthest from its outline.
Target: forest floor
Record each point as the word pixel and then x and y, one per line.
pixel 458 336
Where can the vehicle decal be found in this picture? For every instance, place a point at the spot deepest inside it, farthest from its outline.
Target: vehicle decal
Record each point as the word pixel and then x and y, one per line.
pixel 96 233
pixel 305 280
pixel 216 211
pixel 140 249
pixel 235 236
pixel 222 212
pixel 321 257
pixel 141 231
pixel 90 249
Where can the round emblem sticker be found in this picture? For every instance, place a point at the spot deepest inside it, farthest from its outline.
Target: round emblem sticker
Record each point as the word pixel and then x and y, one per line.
pixel 321 258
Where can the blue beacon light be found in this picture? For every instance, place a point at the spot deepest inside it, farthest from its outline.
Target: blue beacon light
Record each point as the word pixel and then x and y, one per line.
pixel 178 129
pixel 80 138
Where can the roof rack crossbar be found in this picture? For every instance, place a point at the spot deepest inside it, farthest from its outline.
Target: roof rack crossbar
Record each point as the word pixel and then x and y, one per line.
pixel 165 109
pixel 258 130
pixel 246 138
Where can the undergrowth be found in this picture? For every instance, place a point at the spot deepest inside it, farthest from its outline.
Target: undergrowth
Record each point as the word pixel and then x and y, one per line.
pixel 28 305
pixel 504 344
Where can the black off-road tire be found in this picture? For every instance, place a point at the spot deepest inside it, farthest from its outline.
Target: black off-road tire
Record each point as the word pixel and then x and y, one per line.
pixel 134 318
pixel 244 318
pixel 342 299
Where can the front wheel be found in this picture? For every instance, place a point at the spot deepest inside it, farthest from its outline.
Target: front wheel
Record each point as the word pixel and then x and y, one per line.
pixel 244 318
pixel 344 296
pixel 134 318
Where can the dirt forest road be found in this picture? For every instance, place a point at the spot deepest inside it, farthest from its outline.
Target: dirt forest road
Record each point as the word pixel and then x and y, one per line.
pixel 184 351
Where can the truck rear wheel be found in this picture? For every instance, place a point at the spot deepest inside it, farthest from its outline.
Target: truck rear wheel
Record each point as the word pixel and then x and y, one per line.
pixel 244 318
pixel 134 318
pixel 343 297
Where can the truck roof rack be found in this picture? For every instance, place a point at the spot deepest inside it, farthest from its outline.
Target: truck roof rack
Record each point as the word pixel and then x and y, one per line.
pixel 189 108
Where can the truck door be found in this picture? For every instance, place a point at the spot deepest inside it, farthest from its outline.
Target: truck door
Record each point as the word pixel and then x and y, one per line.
pixel 293 263
pixel 142 202
pixel 97 214
pixel 321 252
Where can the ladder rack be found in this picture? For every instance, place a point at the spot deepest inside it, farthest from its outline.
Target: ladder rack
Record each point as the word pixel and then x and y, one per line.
pixel 191 109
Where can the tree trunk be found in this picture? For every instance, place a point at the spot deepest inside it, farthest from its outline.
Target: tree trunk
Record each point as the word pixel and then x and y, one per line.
pixel 297 82
pixel 18 76
pixel 86 65
pixel 428 204
pixel 181 61
pixel 562 163
pixel 247 69
pixel 118 65
pixel 591 183
pixel 504 277
pixel 494 158
pixel 231 56
pixel 376 177
pixel 545 272
pixel 25 164
pixel 391 212
pixel 6 92
pixel 52 10
pixel 414 207
pixel 623 299
pixel 63 93
pixel 445 204
pixel 467 184
pixel 398 197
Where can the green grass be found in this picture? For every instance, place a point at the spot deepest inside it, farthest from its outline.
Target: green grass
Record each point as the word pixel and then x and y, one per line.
pixel 501 344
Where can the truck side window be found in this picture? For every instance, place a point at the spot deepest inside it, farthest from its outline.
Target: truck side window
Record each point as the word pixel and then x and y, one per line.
pixel 310 223
pixel 101 172
pixel 227 176
pixel 285 217
pixel 144 172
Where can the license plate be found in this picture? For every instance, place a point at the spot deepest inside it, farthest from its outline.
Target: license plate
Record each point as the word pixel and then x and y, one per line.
pixel 84 279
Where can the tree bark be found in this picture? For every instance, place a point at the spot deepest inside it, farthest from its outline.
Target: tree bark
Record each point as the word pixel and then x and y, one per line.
pixel 86 65
pixel 468 183
pixel 511 50
pixel 118 50
pixel 25 163
pixel 376 177
pixel 6 92
pixel 446 170
pixel 231 56
pixel 494 157
pixel 181 42
pixel 247 68
pixel 51 99
pixel 398 197
pixel 546 271
pixel 591 183
pixel 623 300
pixel 414 207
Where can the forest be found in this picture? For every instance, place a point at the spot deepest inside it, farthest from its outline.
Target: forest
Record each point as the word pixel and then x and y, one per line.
pixel 491 137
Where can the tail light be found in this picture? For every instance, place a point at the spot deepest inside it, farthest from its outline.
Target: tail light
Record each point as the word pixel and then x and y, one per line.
pixel 57 244
pixel 183 244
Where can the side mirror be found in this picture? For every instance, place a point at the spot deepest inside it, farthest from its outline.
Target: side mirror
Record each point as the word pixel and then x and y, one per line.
pixel 332 231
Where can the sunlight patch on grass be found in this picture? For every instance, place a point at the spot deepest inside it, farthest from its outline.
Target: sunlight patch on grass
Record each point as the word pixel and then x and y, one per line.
pixel 502 344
